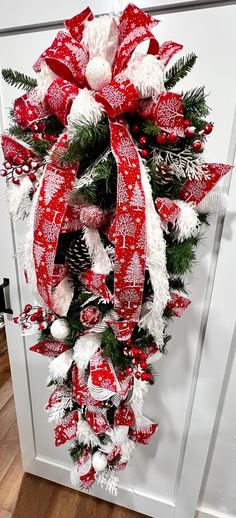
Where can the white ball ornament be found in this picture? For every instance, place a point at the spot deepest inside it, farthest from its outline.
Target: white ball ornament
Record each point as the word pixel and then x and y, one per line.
pixel 99 461
pixel 98 73
pixel 60 329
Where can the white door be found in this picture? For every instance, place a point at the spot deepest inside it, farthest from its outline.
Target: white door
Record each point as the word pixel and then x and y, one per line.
pixel 164 478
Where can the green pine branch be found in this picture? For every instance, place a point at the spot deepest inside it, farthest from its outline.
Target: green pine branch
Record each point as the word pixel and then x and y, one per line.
pixel 113 350
pixel 150 128
pixel 18 79
pixel 88 138
pixel 40 147
pixel 179 70
pixel 194 102
pixel 180 256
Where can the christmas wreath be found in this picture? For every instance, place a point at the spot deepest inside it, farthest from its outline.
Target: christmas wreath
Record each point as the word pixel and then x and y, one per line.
pixel 105 161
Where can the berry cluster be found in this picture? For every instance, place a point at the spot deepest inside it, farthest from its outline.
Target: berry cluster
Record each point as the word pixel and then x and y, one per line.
pixel 139 361
pixel 34 315
pixel 162 138
pixel 17 166
pixel 38 129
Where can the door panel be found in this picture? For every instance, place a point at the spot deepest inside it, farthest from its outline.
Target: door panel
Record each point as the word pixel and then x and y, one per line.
pixel 150 484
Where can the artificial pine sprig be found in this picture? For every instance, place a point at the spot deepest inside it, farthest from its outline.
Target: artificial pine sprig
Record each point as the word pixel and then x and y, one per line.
pixel 194 102
pixel 18 79
pixel 180 256
pixel 179 70
pixel 87 137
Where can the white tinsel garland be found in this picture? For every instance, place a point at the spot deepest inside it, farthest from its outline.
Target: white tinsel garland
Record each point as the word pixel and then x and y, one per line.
pixel 59 367
pixel 85 435
pixel 140 390
pixel 85 109
pixel 187 223
pixel 156 263
pixel 19 199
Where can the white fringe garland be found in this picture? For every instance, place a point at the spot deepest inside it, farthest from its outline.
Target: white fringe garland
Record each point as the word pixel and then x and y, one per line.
pixel 187 223
pixel 98 254
pixel 85 434
pixel 85 109
pixel 85 347
pixel 59 367
pixel 156 263
pixel 62 297
pixel 19 199
pixel 147 75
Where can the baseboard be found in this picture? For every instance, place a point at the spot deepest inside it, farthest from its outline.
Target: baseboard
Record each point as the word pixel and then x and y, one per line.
pixel 204 512
pixel 135 500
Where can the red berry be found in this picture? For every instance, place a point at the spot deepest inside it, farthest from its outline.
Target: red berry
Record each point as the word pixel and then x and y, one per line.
pixel 197 146
pixel 16 320
pixel 25 168
pixel 52 138
pixel 16 181
pixel 161 138
pixel 34 165
pixel 32 177
pixel 143 365
pixel 27 308
pixel 7 165
pixel 3 172
pixel 142 140
pixel 144 153
pixel 128 370
pixel 45 136
pixel 186 123
pixel 143 356
pixel 144 376
pixel 208 128
pixel 42 326
pixel 135 351
pixel 148 376
pixel 190 131
pixel 41 126
pixel 36 136
pixel 138 375
pixel 34 126
pixel 135 361
pixel 135 128
pixel 33 317
pixel 18 170
pixel 172 138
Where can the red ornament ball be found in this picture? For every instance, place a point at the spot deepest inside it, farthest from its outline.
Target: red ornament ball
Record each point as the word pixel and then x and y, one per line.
pixel 143 356
pixel 92 216
pixel 197 146
pixel 135 361
pixel 90 316
pixel 36 136
pixel 128 370
pixel 186 123
pixel 172 138
pixel 16 181
pixel 135 128
pixel 208 128
pixel 27 308
pixel 32 177
pixel 190 131
pixel 143 365
pixel 144 153
pixel 142 140
pixel 135 351
pixel 161 138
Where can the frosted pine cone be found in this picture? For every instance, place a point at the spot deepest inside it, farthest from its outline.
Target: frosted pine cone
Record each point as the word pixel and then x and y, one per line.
pixel 92 216
pixel 163 173
pixel 78 258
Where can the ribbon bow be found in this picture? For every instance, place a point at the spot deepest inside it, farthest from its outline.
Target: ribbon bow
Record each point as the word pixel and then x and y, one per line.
pixel 101 65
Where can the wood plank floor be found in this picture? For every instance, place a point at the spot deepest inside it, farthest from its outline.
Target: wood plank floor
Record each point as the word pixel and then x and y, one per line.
pixel 26 496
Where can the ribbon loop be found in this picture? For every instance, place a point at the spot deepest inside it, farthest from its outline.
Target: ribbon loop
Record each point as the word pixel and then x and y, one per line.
pixel 59 98
pixel 119 97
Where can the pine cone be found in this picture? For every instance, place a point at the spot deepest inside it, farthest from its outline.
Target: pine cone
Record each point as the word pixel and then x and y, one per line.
pixel 78 258
pixel 163 173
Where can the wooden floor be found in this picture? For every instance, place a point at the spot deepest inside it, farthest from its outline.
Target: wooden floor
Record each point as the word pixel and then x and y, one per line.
pixel 26 496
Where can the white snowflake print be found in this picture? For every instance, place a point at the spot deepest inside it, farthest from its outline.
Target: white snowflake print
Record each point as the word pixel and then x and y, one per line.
pixel 126 226
pixel 126 149
pixel 80 56
pixel 51 230
pixel 38 253
pixel 114 97
pixel 134 274
pixel 128 297
pixel 137 200
pixel 37 216
pixel 196 190
pixel 52 184
pixel 50 257
pixel 57 97
pixel 122 196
